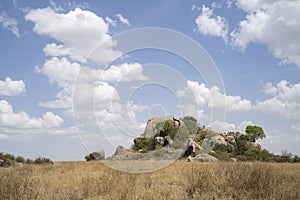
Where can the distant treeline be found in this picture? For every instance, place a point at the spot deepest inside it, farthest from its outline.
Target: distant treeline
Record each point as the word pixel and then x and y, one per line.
pixel 7 160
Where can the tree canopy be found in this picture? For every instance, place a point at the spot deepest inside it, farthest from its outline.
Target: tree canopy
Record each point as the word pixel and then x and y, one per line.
pixel 255 132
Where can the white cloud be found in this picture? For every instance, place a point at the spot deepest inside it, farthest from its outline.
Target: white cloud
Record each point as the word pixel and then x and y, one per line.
pixel 214 98
pixel 212 25
pixel 252 29
pixel 53 49
pixel 284 101
pixel 222 126
pixel 194 7
pixel 12 88
pixel 11 121
pixel 215 5
pixel 232 103
pixel 123 19
pixel 273 23
pixel 253 5
pixel 64 73
pixel 78 31
pixel 9 23
pixel 111 21
pixel 201 92
pixel 56 7
pixel 60 70
pixel 229 3
pixel 136 107
pixel 124 72
pixel 74 4
pixel 278 140
pixel 63 100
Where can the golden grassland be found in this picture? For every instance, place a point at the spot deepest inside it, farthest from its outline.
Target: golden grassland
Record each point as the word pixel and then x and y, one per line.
pixel 181 180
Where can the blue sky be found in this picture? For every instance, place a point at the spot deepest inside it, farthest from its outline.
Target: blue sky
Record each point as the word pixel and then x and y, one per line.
pixel 48 86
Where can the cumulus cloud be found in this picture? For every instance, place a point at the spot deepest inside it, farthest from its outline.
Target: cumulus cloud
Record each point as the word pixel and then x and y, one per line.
pixel 95 95
pixel 284 101
pixel 123 19
pixel 9 23
pixel 60 70
pixel 273 23
pixel 78 32
pixel 124 72
pixel 252 5
pixel 223 126
pixel 232 103
pixel 12 88
pixel 212 25
pixel 212 97
pixel 13 122
pixel 64 73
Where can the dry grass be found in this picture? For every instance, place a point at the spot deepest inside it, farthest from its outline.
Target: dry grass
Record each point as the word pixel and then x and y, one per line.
pixel 91 180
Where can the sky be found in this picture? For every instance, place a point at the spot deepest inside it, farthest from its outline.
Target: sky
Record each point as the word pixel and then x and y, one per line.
pixel 80 76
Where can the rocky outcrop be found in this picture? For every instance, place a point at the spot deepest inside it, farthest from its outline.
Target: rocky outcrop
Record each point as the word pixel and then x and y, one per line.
pixel 202 158
pixel 192 148
pixel 167 138
pixel 163 141
pixel 221 142
pixel 161 154
pixel 155 125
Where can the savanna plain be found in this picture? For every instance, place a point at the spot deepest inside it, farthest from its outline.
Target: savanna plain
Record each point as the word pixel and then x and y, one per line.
pixel 181 180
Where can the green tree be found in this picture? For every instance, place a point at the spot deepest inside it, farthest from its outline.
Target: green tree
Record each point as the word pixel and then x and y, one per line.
pixel 254 133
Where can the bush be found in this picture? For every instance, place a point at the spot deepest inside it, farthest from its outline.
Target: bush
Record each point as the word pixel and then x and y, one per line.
pixel 20 159
pixel 200 136
pixel 42 161
pixel 6 159
pixel 88 157
pixel 168 130
pixel 144 144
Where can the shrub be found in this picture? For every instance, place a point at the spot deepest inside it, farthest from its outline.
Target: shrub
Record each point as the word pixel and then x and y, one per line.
pixel 41 160
pixel 88 157
pixel 144 144
pixel 20 159
pixel 167 129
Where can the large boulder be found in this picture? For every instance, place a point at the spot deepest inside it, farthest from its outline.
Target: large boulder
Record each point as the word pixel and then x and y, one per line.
pixel 155 125
pixel 98 155
pixel 120 150
pixel 221 142
pixel 192 148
